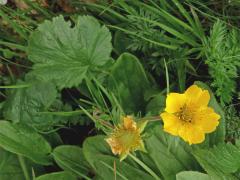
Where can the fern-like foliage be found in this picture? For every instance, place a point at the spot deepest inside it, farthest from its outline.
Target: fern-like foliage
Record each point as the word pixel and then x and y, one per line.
pixel 223 58
pixel 144 29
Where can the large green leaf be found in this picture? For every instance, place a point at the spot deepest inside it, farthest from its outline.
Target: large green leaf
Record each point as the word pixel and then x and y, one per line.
pixel 99 156
pixel 65 54
pixel 24 104
pixel 169 154
pixel 219 135
pixel 220 161
pixel 192 175
pixel 57 176
pixel 22 139
pixel 129 83
pixel 10 168
pixel 70 158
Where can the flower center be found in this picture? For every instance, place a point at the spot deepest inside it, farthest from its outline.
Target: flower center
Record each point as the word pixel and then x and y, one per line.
pixel 127 139
pixel 185 114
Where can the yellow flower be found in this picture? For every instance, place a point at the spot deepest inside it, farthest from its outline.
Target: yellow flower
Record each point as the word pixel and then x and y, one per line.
pixel 126 137
pixel 187 115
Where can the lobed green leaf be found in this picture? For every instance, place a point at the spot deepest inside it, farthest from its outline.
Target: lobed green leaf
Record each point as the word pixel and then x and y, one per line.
pixel 65 54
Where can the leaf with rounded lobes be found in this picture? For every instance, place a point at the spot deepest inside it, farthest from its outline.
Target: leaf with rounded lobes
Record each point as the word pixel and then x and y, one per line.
pixel 57 176
pixel 65 54
pixel 190 175
pixel 23 140
pixel 71 158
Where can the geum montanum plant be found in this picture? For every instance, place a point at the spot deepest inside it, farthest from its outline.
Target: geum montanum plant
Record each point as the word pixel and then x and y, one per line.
pixel 186 115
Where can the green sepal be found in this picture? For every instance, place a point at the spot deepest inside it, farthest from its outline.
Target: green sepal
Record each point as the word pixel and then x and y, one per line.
pixel 141 125
pixel 123 156
pixel 142 147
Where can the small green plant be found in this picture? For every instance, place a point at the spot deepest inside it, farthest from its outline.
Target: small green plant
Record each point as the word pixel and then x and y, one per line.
pixel 222 52
pixel 100 90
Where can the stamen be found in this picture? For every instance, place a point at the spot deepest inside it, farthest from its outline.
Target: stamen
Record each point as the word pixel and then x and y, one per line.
pixel 185 114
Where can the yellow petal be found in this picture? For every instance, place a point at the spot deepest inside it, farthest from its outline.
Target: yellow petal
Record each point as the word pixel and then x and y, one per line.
pixel 195 135
pixel 183 132
pixel 192 92
pixel 128 123
pixel 204 98
pixel 125 138
pixel 174 102
pixel 171 123
pixel 197 96
pixel 191 134
pixel 115 146
pixel 207 119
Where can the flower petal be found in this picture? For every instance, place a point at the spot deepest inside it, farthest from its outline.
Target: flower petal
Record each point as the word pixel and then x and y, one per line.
pixel 207 119
pixel 192 92
pixel 204 98
pixel 125 138
pixel 183 132
pixel 171 123
pixel 129 123
pixel 195 95
pixel 174 102
pixel 195 135
pixel 192 134
pixel 115 146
